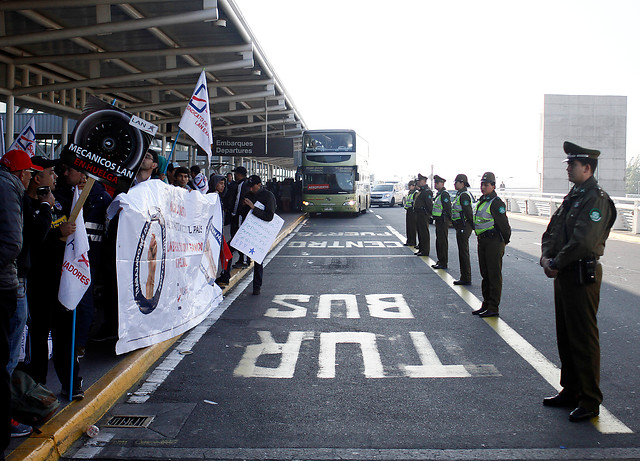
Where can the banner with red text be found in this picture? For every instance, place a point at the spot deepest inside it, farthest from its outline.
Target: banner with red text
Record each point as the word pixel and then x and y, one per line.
pixel 168 249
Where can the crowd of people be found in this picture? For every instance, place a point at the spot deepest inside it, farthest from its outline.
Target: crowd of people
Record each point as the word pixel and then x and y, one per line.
pixel 37 195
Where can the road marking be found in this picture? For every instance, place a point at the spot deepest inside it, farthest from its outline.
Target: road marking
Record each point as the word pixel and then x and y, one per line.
pixel 606 423
pixel 378 216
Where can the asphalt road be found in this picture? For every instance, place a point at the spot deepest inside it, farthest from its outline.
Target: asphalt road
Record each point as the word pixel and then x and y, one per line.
pixel 357 349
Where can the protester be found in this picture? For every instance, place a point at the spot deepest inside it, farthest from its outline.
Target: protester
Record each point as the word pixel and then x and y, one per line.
pixel 218 183
pixel 199 180
pixel 15 173
pixel 258 194
pixel 237 192
pixel 158 173
pixel 94 213
pixel 148 165
pixel 182 178
pixel 47 314
pixel 37 204
pixel 171 168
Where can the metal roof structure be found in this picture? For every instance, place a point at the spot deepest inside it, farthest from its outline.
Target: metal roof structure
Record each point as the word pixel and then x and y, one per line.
pixel 146 55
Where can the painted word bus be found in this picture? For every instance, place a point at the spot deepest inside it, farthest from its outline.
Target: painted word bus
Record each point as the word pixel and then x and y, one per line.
pixel 335 172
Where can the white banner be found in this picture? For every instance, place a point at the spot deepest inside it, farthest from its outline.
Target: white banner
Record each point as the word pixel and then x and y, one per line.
pixel 26 140
pixel 76 275
pixel 168 248
pixel 255 236
pixel 196 118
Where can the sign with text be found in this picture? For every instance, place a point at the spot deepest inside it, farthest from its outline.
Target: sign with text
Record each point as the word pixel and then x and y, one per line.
pixel 167 259
pixel 108 144
pixel 252 147
pixel 255 236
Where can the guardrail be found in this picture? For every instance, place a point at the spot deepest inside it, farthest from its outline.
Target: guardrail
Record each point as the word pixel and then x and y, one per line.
pixel 539 204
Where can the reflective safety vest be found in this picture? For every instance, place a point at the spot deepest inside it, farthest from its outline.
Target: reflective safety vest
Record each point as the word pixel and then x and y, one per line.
pixel 482 218
pixel 437 206
pixel 456 207
pixel 408 205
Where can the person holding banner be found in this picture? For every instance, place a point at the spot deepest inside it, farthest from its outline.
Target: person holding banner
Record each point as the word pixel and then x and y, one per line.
pixel 47 314
pixel 263 204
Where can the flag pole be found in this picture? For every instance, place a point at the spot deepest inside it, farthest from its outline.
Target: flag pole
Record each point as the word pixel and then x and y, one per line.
pixel 73 353
pixel 175 141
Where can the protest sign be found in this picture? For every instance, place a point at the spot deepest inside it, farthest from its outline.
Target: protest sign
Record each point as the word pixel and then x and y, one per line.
pixel 255 236
pixel 76 274
pixel 108 144
pixel 26 140
pixel 168 249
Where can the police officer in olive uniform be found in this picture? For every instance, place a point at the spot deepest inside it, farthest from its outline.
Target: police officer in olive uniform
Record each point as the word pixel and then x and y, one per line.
pixel 411 215
pixel 442 219
pixel 494 232
pixel 571 246
pixel 423 206
pixel 462 219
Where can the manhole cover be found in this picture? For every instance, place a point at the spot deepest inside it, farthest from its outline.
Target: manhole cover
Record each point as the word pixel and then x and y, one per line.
pixel 129 421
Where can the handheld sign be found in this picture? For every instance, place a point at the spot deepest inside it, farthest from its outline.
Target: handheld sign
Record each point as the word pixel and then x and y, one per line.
pixel 108 144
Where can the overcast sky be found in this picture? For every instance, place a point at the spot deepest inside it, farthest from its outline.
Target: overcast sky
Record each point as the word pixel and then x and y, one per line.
pixel 455 84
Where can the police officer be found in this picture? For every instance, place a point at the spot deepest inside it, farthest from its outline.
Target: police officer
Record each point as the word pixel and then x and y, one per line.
pixel 493 231
pixel 442 219
pixel 571 246
pixel 410 221
pixel 462 219
pixel 423 206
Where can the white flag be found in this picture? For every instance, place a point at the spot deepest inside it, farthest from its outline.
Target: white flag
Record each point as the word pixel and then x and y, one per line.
pixel 76 277
pixel 26 140
pixel 196 118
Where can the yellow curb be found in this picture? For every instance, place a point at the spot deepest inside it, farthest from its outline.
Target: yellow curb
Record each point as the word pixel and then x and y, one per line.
pixel 59 433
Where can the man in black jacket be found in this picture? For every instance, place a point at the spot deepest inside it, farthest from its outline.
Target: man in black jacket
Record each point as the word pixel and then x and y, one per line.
pixel 233 202
pixel 263 204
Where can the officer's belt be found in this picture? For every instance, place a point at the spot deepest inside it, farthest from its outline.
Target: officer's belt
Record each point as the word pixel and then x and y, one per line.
pixel 493 233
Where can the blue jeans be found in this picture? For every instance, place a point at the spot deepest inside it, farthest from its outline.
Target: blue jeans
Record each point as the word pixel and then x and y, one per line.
pixel 16 326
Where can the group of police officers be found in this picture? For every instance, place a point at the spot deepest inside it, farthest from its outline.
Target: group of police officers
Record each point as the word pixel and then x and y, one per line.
pixel 488 218
pixel 571 247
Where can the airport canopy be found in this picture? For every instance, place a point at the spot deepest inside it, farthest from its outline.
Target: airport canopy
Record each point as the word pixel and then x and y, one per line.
pixel 146 55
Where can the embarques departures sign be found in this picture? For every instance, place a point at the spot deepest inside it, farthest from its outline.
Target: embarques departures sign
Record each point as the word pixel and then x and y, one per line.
pixel 252 147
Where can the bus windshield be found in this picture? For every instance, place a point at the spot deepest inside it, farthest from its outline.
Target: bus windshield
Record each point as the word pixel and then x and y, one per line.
pixel 329 180
pixel 328 142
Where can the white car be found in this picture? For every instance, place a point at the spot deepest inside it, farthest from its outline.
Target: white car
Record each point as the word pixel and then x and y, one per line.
pixel 387 194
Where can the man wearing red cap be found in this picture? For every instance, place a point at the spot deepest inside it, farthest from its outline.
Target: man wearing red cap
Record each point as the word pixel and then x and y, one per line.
pixel 15 174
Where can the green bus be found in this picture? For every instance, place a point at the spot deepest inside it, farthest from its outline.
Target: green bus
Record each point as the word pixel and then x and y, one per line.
pixel 335 172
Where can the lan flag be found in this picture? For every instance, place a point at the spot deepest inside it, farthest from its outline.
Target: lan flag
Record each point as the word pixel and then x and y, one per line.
pixel 26 140
pixel 76 277
pixel 196 118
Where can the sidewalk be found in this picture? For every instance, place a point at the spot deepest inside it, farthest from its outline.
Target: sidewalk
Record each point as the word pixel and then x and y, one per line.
pixel 106 377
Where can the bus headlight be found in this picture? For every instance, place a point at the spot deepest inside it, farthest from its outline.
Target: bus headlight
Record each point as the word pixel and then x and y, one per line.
pixel 305 203
pixel 349 203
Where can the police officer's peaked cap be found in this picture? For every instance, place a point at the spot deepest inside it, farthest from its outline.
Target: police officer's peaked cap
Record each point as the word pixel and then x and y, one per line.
pixel 412 183
pixel 437 178
pixel 574 151
pixel 462 178
pixel 488 177
pixel 420 177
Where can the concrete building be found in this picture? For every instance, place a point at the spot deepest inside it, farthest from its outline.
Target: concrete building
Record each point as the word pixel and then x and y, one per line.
pixel 595 122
